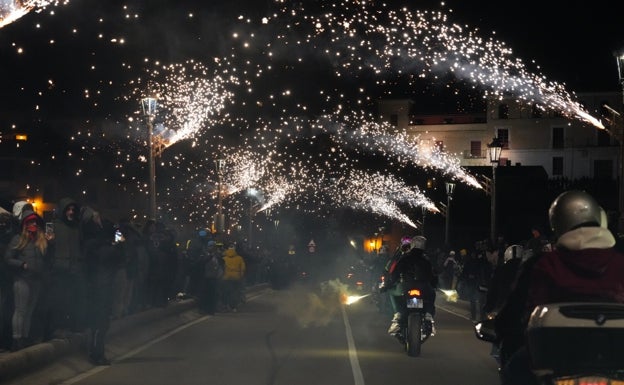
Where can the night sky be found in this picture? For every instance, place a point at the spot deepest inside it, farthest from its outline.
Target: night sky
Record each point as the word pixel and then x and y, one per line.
pixel 75 73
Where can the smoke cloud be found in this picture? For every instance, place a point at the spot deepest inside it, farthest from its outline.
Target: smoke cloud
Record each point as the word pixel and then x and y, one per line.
pixel 314 309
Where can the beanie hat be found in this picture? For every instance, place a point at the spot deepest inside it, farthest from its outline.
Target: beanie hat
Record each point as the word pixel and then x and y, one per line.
pixel 30 215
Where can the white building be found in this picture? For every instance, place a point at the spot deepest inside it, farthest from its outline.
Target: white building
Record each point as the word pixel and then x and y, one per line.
pixel 565 147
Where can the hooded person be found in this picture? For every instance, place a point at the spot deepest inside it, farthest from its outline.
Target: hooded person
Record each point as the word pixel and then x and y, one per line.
pixel 68 300
pixel 104 252
pixel 233 274
pixel 27 257
pixel 6 280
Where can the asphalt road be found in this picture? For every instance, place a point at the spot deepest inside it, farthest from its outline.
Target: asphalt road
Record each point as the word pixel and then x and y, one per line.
pixel 300 336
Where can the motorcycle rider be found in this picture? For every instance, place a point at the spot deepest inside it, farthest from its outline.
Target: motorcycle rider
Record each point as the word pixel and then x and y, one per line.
pixel 409 266
pixel 500 286
pixel 503 278
pixel 584 266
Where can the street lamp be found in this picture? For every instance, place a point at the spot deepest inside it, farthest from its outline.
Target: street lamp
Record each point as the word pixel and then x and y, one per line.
pixel 494 151
pixel 620 137
pixel 450 188
pixel 220 218
pixel 148 104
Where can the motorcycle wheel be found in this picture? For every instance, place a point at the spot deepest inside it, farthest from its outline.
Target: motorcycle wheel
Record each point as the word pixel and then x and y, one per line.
pixel 412 338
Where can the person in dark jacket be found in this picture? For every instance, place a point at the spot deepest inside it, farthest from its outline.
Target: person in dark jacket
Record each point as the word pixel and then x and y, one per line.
pixel 27 257
pixel 475 277
pixel 6 282
pixel 163 255
pixel 68 300
pixel 410 266
pixel 503 278
pixel 103 247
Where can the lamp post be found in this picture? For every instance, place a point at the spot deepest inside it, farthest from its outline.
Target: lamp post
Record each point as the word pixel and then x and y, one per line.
pixel 220 219
pixel 450 188
pixel 148 104
pixel 252 193
pixel 620 137
pixel 494 151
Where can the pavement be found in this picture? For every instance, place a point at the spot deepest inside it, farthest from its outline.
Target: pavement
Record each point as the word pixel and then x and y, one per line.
pixel 151 323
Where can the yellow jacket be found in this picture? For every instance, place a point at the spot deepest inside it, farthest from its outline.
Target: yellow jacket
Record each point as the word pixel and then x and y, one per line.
pixel 234 265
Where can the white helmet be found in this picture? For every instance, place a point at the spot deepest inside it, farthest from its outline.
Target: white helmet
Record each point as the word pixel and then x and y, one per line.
pixel 513 251
pixel 418 242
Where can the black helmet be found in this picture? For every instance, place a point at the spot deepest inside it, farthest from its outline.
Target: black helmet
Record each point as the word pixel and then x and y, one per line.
pixel 573 209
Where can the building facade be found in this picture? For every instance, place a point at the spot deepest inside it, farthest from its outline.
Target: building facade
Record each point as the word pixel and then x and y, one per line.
pixel 531 136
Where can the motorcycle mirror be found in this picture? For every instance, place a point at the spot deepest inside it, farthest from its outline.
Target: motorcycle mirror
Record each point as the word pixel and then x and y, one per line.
pixel 485 331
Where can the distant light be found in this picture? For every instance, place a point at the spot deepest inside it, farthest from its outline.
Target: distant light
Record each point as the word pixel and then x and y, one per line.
pixel 22 137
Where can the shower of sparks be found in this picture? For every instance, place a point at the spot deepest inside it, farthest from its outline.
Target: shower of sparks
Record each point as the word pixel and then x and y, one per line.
pixel 358 37
pixel 406 150
pixel 12 10
pixel 188 100
pixel 298 141
pixel 381 194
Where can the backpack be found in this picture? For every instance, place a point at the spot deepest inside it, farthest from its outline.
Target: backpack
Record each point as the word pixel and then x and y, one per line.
pixel 213 268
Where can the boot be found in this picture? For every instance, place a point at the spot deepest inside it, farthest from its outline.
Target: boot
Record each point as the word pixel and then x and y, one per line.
pixel 395 325
pixel 96 349
pixel 430 324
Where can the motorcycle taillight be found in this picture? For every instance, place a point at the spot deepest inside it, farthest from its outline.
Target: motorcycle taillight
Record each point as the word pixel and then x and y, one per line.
pixel 413 293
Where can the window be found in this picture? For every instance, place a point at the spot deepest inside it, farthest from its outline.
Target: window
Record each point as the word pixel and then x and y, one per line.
pixel 503 111
pixel 603 138
pixel 603 169
pixel 503 135
pixel 475 148
pixel 557 166
pixel 394 120
pixel 557 137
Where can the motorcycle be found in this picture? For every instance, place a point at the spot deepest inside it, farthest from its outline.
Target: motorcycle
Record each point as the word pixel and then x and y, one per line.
pixel 572 343
pixel 415 327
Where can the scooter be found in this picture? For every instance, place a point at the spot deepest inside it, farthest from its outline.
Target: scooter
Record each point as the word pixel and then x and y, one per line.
pixel 572 343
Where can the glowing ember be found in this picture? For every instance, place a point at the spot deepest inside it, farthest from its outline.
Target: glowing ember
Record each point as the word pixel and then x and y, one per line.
pixel 351 299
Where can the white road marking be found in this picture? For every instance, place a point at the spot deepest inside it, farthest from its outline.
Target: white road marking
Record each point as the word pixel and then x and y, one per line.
pixel 141 348
pixel 358 377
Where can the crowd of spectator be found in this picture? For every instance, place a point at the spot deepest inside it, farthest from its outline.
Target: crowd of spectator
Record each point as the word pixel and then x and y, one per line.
pixel 81 270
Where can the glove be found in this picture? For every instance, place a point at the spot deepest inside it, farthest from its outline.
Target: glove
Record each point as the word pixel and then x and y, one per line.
pixel 383 287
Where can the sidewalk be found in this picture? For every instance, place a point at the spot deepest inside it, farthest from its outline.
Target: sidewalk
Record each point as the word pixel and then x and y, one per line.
pixel 37 356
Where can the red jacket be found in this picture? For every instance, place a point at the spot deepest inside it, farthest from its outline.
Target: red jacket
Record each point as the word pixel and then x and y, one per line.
pixel 587 274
